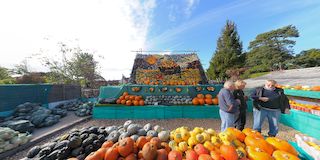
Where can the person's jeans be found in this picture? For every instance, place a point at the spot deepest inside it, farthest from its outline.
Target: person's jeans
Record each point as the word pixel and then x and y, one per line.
pixel 227 119
pixel 273 119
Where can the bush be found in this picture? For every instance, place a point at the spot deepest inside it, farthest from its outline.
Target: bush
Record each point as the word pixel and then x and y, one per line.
pixel 8 81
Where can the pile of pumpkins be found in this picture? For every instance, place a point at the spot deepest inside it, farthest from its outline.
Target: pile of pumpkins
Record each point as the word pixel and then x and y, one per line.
pixel 299 87
pixel 10 139
pixel 232 144
pixel 79 143
pixel 201 99
pixel 130 100
pixel 168 100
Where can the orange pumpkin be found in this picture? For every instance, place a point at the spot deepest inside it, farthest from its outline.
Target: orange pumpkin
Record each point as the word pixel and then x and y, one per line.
pixel 237 133
pixel 135 148
pixel 141 103
pixel 156 141
pixel 260 143
pixel 118 101
pixel 195 101
pixel 123 102
pixel 205 157
pixel 132 98
pixel 125 146
pixel 162 154
pixel 131 156
pixel 121 97
pixel 282 155
pixel 135 103
pixel 175 155
pixel 107 144
pixel 201 101
pixel 165 146
pixel 112 153
pixel 252 133
pixel 128 103
pixel 255 153
pixel 149 151
pixel 137 98
pixel 228 152
pixel 215 101
pixel 127 97
pixel 282 145
pixel 141 141
pixel 200 96
pixel 215 155
pixel 125 93
pixel 208 96
pixel 100 153
pixel 315 88
pixel 208 101
pixel 191 155
pixel 200 149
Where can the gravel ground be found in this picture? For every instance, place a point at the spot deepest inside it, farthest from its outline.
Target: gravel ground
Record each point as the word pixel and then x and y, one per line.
pixel 285 132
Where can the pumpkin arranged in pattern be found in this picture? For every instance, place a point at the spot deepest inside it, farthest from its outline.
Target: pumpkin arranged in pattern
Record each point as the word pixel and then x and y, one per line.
pixel 282 145
pixel 282 155
pixel 129 100
pixel 259 143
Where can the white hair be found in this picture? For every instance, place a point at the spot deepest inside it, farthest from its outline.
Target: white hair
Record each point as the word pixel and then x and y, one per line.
pixel 228 84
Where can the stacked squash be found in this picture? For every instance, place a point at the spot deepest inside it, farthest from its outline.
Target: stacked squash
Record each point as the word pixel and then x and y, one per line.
pixel 201 99
pixel 130 100
pixel 232 144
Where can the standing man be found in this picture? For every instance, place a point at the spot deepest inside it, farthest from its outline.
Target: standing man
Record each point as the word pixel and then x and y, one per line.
pixel 239 94
pixel 229 106
pixel 270 102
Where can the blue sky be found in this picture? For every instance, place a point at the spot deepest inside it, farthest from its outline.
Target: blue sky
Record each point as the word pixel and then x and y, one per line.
pixel 177 25
pixel 31 30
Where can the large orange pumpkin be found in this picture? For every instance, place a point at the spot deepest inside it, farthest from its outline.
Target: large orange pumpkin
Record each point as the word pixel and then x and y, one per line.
pixel 260 143
pixel 165 146
pixel 125 93
pixel 215 101
pixel 255 153
pixel 149 151
pixel 125 146
pixel 107 144
pixel 127 97
pixel 191 155
pixel 237 133
pixel 208 101
pixel 201 101
pixel 141 141
pixel 315 88
pixel 195 101
pixel 200 96
pixel 132 97
pixel 162 154
pixel 156 141
pixel 135 103
pixel 138 98
pixel 282 145
pixel 282 155
pixel 208 96
pixel 228 152
pixel 205 157
pixel 118 101
pixel 128 103
pixel 252 133
pixel 112 153
pixel 200 149
pixel 175 155
pixel 141 103
pixel 131 156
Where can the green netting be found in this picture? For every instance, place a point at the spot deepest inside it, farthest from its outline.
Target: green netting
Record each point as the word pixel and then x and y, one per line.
pixel 154 112
pixel 116 91
pixel 301 93
pixel 13 95
pixel 304 122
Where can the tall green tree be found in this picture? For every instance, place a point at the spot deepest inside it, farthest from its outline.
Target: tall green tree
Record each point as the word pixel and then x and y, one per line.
pixel 270 49
pixel 306 58
pixel 228 53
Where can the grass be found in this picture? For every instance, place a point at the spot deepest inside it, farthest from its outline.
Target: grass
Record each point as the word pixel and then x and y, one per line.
pixel 255 75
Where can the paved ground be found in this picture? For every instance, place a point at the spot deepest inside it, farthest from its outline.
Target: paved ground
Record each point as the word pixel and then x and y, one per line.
pixel 306 76
pixel 284 133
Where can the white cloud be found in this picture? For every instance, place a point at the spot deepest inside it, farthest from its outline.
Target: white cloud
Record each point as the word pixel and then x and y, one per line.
pixel 110 28
pixel 190 6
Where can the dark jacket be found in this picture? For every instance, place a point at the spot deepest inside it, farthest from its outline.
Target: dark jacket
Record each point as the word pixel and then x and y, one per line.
pixel 283 102
pixel 239 94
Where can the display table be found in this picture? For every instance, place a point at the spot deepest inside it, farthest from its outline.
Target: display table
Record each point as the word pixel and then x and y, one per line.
pixel 302 93
pixel 154 112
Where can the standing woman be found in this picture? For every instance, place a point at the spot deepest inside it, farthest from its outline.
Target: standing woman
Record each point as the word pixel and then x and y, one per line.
pixel 239 94
pixel 229 106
